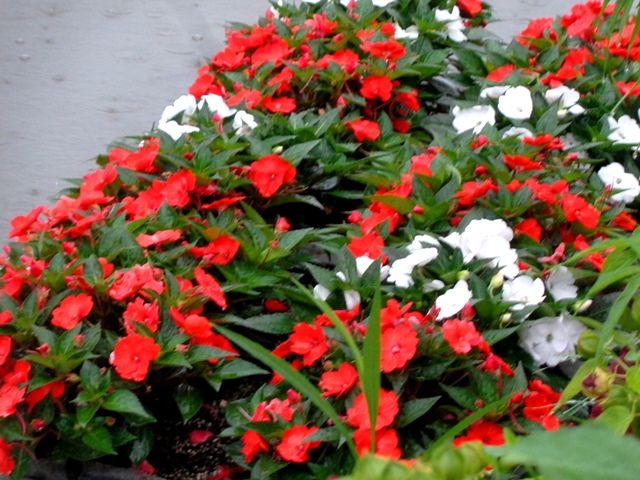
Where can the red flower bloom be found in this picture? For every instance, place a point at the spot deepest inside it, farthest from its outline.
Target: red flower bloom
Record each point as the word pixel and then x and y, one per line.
pixel 141 160
pixel 176 192
pixel 196 437
pixel 386 442
pixel 369 245
pixel 55 389
pixel 71 311
pixel 129 283
pixel 276 50
pixel 10 397
pixel 577 208
pixel 24 224
pixel 500 73
pixel 132 356
pixel 158 238
pixel 269 173
pixel 529 227
pixel 139 312
pixel 279 104
pixel 521 163
pixel 210 288
pixel 623 220
pixel 389 50
pixel 358 414
pixel 309 341
pixel 488 433
pixel 5 348
pixel 252 445
pixel 629 88
pixel 470 7
pixel 7 463
pixel 461 335
pixel 494 364
pixel 219 252
pixel 293 447
pixel 539 404
pixel 193 325
pixel 338 382
pixel 347 60
pixel 364 129
pixel 536 29
pixel 376 86
pixel 398 347
pixel 473 190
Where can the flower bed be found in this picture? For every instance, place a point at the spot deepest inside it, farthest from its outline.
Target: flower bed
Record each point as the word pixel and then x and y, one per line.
pixel 369 226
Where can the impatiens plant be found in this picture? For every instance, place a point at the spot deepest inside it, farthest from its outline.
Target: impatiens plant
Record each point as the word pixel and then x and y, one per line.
pixel 369 227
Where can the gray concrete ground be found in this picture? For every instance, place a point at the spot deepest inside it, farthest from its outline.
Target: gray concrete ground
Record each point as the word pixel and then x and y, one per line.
pixel 78 74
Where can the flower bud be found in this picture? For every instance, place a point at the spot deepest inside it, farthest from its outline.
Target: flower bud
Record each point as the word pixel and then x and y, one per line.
pixel 496 281
pixel 588 343
pixel 278 150
pixel 505 319
pixel 582 306
pixel 463 275
pixel 596 384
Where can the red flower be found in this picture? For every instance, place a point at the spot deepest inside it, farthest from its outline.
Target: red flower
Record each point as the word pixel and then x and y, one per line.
pixel 269 173
pixel 358 414
pixel 293 447
pixel 196 437
pixel 389 50
pixel 158 238
pixel 71 311
pixel 461 335
pixel 10 397
pixel 577 208
pixel 386 442
pixel 531 228
pixel 55 389
pixel 623 220
pixel 347 60
pixel 219 252
pixel 141 160
pixel 488 433
pixel 309 341
pixel 276 50
pixel 252 445
pixel 377 86
pixel 338 382
pixel 473 190
pixel 275 305
pixel 176 192
pixel 279 104
pixel 364 129
pixel 521 163
pixel 132 356
pixel 210 288
pixel 398 347
pixel 5 317
pixel 629 88
pixel 539 404
pixel 500 73
pixel 139 312
pixel 129 283
pixel 7 463
pixel 5 348
pixel 421 164
pixel 470 7
pixel 23 224
pixel 536 29
pixel 193 325
pixel 369 245
pixel 494 364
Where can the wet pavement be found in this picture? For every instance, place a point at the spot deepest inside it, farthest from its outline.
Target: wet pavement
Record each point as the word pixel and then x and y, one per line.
pixel 76 75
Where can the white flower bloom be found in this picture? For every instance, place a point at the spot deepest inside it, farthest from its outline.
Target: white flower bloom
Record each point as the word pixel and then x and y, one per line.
pixel 376 3
pixel 351 299
pixel 312 1
pixel 433 285
pixel 216 105
pixel 455 24
pixel 625 130
pixel 401 269
pixel 627 185
pixel 568 98
pixel 175 130
pixel 551 340
pixel 516 103
pixel 473 118
pixel 561 284
pixel 494 92
pixel 411 33
pixel 519 132
pixel 421 241
pixel 523 291
pixel 185 104
pixel 453 300
pixel 364 262
pixel 321 292
pixel 244 122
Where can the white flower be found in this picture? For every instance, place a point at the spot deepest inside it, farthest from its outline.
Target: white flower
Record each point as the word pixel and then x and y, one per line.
pixel 421 241
pixel 364 262
pixel 216 105
pixel 453 300
pixel 244 122
pixel 523 291
pixel 568 98
pixel 312 1
pixel 376 3
pixel 516 103
pixel 627 185
pixel 519 132
pixel 455 24
pixel 185 104
pixel 560 284
pixel 473 118
pixel 494 92
pixel 433 285
pixel 625 130
pixel 321 292
pixel 401 269
pixel 410 33
pixel 351 299
pixel 551 340
pixel 175 130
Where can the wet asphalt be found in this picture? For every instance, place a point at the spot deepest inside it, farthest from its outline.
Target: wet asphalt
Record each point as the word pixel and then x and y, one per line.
pixel 76 75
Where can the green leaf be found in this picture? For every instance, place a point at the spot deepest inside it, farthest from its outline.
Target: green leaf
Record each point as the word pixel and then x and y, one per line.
pixel 86 413
pixel 189 401
pixel 299 152
pixel 588 452
pixel 125 401
pixel 202 353
pixel 240 368
pixel 275 323
pixel 575 385
pixel 99 439
pixel 295 378
pixel 414 409
pixel 632 378
pixel 617 417
pixel 617 309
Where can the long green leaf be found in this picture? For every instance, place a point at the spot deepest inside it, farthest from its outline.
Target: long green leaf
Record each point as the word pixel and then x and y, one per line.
pixel 370 376
pixel 295 378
